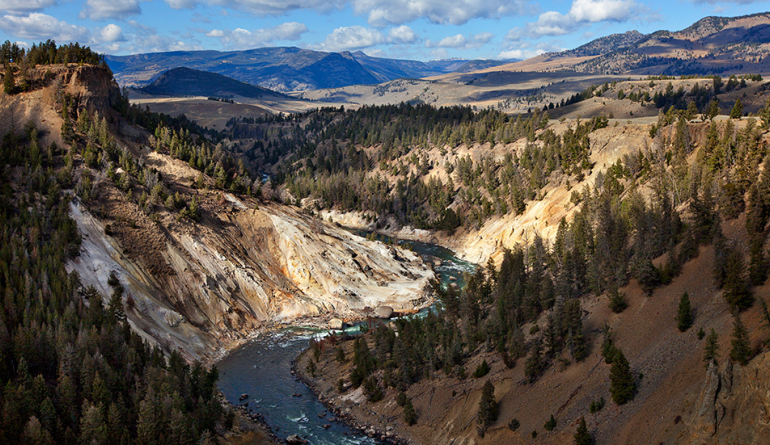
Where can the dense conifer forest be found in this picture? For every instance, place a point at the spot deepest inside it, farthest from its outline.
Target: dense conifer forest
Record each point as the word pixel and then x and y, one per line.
pixel 71 369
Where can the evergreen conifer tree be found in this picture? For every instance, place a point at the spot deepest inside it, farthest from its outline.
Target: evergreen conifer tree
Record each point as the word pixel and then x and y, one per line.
pixel 622 385
pixel 737 110
pixel 534 365
pixel 684 314
pixel 711 353
pixel 9 80
pixel 741 350
pixel 582 436
pixel 487 407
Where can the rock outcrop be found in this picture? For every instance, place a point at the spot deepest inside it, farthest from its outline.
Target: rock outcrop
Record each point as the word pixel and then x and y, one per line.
pixel 244 270
pixel 734 405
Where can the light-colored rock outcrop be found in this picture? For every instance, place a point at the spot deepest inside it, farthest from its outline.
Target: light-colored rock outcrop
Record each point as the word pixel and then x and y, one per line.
pixel 251 268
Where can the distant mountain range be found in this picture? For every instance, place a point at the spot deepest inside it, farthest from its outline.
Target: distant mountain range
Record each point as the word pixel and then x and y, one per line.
pixel 712 45
pixel 190 82
pixel 284 68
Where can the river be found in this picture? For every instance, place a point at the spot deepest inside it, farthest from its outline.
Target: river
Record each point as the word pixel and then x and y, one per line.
pixel 261 368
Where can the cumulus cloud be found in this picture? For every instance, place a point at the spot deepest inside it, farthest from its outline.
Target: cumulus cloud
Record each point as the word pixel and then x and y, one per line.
pixel 17 6
pixel 380 13
pixel 104 9
pixel 243 38
pixel 551 23
pixel 37 26
pixel 402 34
pixel 263 7
pixel 554 23
pixel 525 51
pixel 111 33
pixel 459 41
pixel 602 10
pixel 349 38
pixel 383 12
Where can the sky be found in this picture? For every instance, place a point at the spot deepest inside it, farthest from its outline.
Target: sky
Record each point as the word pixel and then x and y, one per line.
pixel 404 29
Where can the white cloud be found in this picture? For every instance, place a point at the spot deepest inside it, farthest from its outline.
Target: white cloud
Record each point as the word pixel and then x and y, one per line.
pixel 402 34
pixel 554 23
pixel 349 38
pixel 524 50
pixel 145 39
pixel 243 38
pixel 520 54
pixel 18 6
pixel 551 23
pixel 37 26
pixel 111 34
pixel 459 41
pixel 380 13
pixel 602 10
pixel 288 31
pixel 103 9
pixel 263 7
pixel 383 12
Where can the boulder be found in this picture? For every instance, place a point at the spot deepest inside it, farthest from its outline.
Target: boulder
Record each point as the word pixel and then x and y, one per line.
pixel 336 323
pixel 384 312
pixel 294 439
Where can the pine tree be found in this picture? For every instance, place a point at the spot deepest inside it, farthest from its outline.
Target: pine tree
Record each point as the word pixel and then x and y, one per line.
pixel 534 365
pixel 741 349
pixel 684 314
pixel 711 353
pixel 9 80
pixel 622 385
pixel 410 415
pixel 713 109
pixel 93 428
pixel 736 290
pixel 550 424
pixel 617 300
pixel 582 436
pixel 116 312
pixel 765 315
pixel 487 407
pixel 737 110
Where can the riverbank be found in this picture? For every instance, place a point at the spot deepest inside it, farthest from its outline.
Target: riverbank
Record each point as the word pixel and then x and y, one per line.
pixel 386 434
pixel 248 427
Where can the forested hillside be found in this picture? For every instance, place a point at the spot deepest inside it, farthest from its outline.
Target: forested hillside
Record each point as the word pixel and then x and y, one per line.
pixel 637 226
pixel 71 369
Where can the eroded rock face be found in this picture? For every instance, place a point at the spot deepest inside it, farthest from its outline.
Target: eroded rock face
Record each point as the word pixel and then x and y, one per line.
pixel 198 287
pixel 384 312
pixel 734 406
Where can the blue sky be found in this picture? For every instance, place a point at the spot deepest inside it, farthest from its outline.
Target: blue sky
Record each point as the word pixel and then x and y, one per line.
pixel 415 29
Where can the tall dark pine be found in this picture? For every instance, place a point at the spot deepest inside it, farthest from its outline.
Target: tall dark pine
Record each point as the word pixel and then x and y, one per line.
pixel 582 436
pixel 684 314
pixel 741 350
pixel 622 385
pixel 711 352
pixel 487 407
